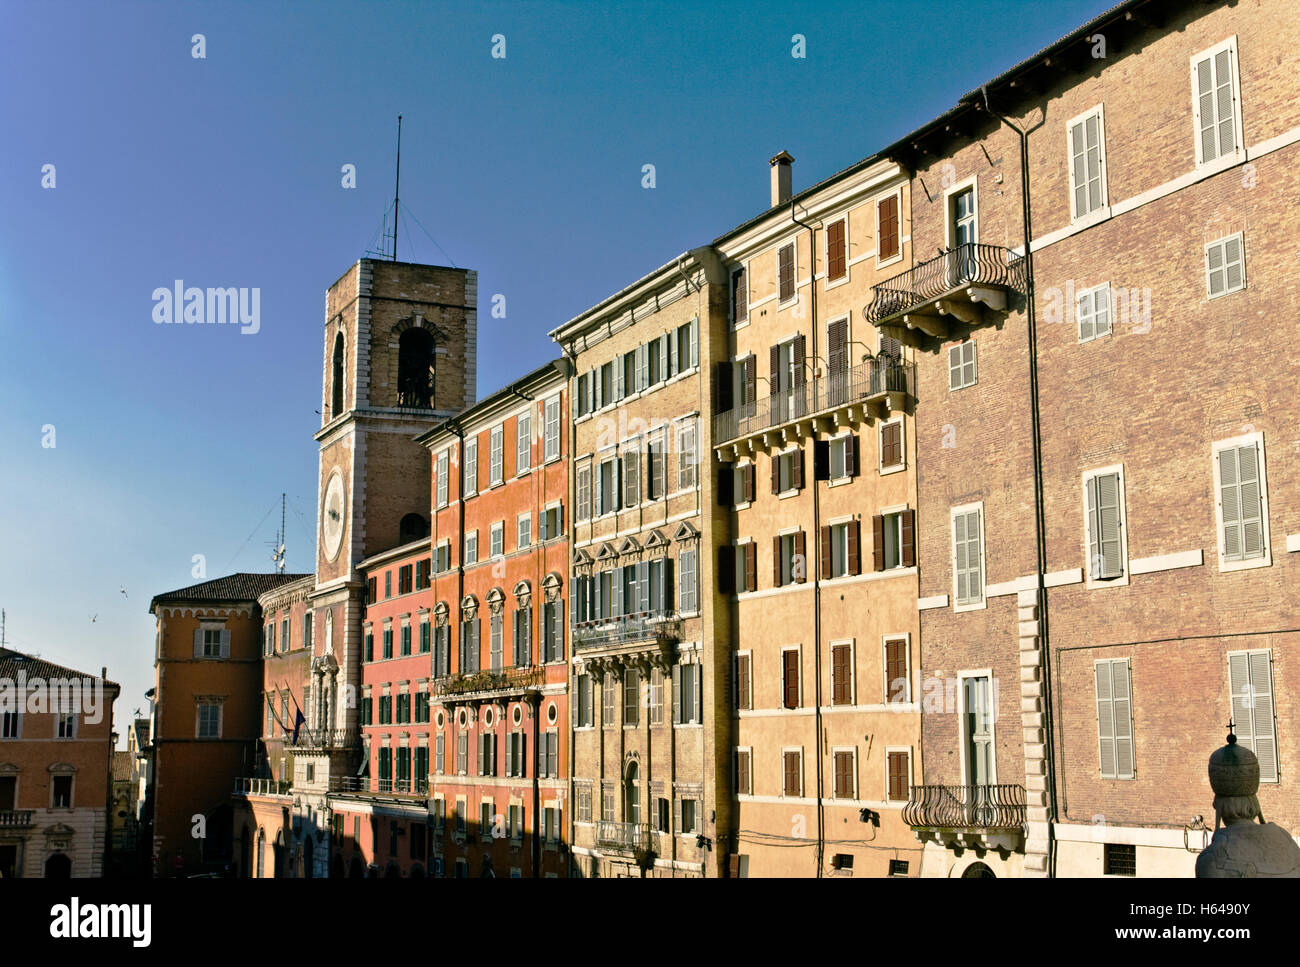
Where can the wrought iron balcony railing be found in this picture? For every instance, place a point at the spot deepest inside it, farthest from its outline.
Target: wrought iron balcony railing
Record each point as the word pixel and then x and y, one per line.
pixel 361 785
pixel 262 787
pixel 872 379
pixel 966 807
pixel 512 679
pixel 625 837
pixel 658 627
pixel 12 818
pixel 323 739
pixel 964 265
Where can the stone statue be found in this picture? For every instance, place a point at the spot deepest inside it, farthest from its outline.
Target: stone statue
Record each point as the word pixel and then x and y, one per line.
pixel 1243 847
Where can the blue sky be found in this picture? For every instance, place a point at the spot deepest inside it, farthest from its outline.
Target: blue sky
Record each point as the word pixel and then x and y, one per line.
pixel 172 441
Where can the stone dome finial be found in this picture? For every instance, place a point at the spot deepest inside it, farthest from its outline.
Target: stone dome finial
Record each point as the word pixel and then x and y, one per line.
pixel 1234 770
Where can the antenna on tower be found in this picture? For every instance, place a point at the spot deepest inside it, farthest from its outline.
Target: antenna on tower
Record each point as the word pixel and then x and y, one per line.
pixel 397 188
pixel 277 555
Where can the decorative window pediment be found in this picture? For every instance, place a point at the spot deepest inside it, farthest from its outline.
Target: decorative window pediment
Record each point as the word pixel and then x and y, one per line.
pixel 552 585
pixel 496 600
pixel 606 552
pixel 685 532
pixel 655 539
pixel 440 613
pixel 629 546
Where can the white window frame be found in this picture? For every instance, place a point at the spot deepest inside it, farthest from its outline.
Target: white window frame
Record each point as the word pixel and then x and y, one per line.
pixel 198 720
pixel 469 468
pixel 1091 295
pixel 906 638
pixel 1266 560
pixel 471 547
pixel 524 529
pixel 744 546
pixel 497 530
pixel 911 770
pixel 1241 247
pixel 444 463
pixel 953 514
pixel 853 672
pixel 963 739
pixel 948 195
pixel 881 469
pixel 680 430
pixel 843 440
pixel 1226 160
pixel 694 583
pixel 1104 203
pixel 1115 774
pixel 551 441
pixel 853 793
pixel 875 209
pixel 842 527
pixel 1085 480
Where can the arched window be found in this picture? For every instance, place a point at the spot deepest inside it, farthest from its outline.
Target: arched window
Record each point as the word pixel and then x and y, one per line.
pixel 415 369
pixel 336 378
pixel 261 854
pixel 412 528
pixel 631 796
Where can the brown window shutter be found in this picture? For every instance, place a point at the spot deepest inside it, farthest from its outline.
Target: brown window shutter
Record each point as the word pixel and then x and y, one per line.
pixel 908 550
pixel 855 455
pixel 776 562
pixel 790 679
pixel 774 369
pixel 796 468
pixel 854 562
pixel 749 483
pixel 839 675
pixel 887 213
pixel 837 350
pixel 798 360
pixel 895 668
pixel 776 473
pixel 726 579
pixel 751 568
pixel 896 444
pixel 742 681
pixel 898 776
pixel 824 540
pixel 801 558
pixel 751 378
pixel 733 866
pixel 835 256
pixel 878 540
pixel 790 784
pixel 785 272
pixel 740 296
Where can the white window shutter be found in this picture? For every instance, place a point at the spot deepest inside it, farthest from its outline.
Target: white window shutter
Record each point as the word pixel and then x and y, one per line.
pixel 959 547
pixel 1203 85
pixel 225 642
pixel 1252 523
pixel 1084 311
pixel 1108 522
pixel 1094 531
pixel 1242 698
pixel 677 694
pixel 1262 723
pixel 1105 720
pixel 1101 312
pixel 954 368
pixel 1122 704
pixel 1230 500
pixel 198 643
pixel 697 714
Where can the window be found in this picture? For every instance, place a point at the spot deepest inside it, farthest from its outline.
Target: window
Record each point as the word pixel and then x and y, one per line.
pixel 1120 859
pixel 553 631
pixel 496 641
pixel 744 773
pixel 67 725
pixel 744 685
pixel 583 511
pixel 61 790
pixel 406 639
pixel 523 442
pixel 471 547
pixel 842 456
pixel 284 633
pixel 605 386
pixel 1087 163
pixel 836 251
pixel 846 774
pixel 790 563
pixel 548 754
pixel 485 810
pixel 1241 504
pixel 388 641
pixel 687 582
pixel 388 592
pixel 690 811
pixel 687 694
pixel 737 567
pixel 842 675
pixel 462 760
pixel 898 867
pixel 212 642
pixel 607 487
pixel 1225 266
pixel 372 590
pixel 790 678
pixel 1250 679
pixel 551 524
pixel 663 818
pixel 583 809
pixel 687 347
pixel 497 539
pixel 898 674
pixel 1104 507
pixel 631 477
pixel 404 579
pixel 607 696
pixel 891 445
pixel 961 365
pixel 887 230
pixel 470 468
pixel 739 297
pixel 524 530
pixel 442 479
pixel 787 471
pixel 369 643
pixel 840 555
pixel 686 455
pixel 968 555
pixel 656 697
pixel 523 637
pixel 899 770
pixel 583 717
pixel 1092 309
pixel 655 469
pixel 551 443
pixel 977 715
pixel 1215 102
pixel 631 696
pixel 487 754
pixel 336 377
pixel 792 773
pixel 496 458
pixel 583 389
pixel 9 725
pixel 785 272
pixel 893 540
pixel 516 743
pixel 658 362
pixel 209 722
pixel 443 560
pixel 1115 718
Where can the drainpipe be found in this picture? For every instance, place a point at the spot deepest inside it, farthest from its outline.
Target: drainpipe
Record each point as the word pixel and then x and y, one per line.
pixel 817 593
pixel 1040 515
pixel 571 532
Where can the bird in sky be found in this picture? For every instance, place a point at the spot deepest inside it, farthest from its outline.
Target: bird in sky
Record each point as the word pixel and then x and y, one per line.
pixel 93 617
pixel 124 594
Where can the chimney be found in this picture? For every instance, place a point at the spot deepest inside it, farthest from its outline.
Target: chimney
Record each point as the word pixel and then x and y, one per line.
pixel 781 178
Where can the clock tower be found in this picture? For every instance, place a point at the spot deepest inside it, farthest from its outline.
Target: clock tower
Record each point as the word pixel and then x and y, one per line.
pixel 399 357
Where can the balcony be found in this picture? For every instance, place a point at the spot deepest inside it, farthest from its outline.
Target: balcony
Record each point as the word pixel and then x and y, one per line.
pixel 651 635
pixel 417 788
pixel 633 838
pixel 953 285
pixel 15 818
pixel 475 686
pixel 980 817
pixel 324 740
pixel 262 787
pixel 876 387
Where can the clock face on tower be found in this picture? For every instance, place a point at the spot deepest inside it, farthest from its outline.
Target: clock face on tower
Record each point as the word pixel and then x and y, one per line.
pixel 331 525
